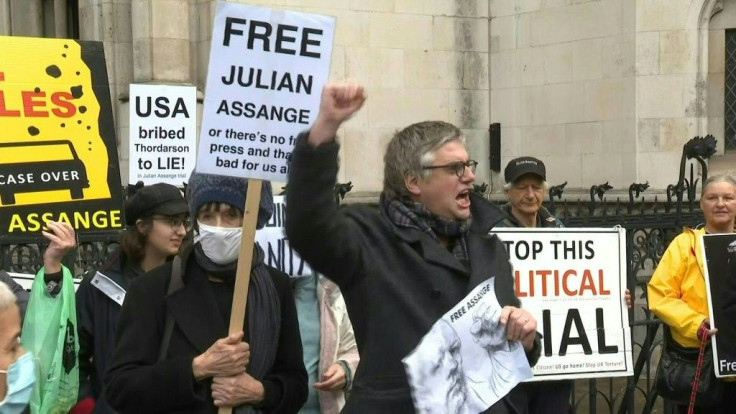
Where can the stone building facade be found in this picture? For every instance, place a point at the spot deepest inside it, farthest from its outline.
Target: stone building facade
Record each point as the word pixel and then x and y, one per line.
pixel 602 90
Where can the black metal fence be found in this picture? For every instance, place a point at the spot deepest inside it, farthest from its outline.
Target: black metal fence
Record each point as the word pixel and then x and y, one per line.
pixel 650 226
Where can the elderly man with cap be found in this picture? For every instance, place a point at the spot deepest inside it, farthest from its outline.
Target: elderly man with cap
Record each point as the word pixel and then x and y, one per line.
pixel 525 189
pixel 173 350
pixel 157 218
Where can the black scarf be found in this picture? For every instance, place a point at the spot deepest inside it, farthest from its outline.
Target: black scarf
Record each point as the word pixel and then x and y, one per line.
pixel 415 215
pixel 264 311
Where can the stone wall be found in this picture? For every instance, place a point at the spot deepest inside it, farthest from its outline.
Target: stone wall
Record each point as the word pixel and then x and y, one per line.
pixel 563 87
pixel 419 60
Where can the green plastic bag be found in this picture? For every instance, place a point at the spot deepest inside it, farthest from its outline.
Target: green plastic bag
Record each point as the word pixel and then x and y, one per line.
pixel 50 333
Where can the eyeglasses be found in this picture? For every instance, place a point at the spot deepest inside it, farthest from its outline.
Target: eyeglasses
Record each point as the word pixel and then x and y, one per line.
pixel 457 167
pixel 176 222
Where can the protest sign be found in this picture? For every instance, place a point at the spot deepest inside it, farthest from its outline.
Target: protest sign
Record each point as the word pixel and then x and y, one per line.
pixel 58 152
pixel 266 73
pixel 163 136
pixel 275 245
pixel 264 82
pixel 465 364
pixel 572 281
pixel 719 252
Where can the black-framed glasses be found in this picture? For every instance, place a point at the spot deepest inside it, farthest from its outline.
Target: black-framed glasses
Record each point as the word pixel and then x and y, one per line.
pixel 457 167
pixel 176 221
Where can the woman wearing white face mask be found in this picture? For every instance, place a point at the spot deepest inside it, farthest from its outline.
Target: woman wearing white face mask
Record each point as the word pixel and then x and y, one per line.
pixel 258 370
pixel 17 371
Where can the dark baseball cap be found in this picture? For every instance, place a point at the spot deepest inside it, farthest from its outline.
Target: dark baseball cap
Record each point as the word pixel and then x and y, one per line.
pixel 159 198
pixel 522 166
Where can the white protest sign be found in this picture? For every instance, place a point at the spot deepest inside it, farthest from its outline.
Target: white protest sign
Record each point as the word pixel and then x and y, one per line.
pixel 163 133
pixel 266 73
pixel 465 364
pixel 573 282
pixel 275 245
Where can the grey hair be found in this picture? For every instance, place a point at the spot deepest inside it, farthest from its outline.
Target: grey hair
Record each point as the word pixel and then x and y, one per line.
pixel 717 179
pixel 7 297
pixel 411 149
pixel 509 186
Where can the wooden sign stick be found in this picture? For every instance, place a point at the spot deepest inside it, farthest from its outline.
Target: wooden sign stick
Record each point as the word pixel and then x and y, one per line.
pixel 245 259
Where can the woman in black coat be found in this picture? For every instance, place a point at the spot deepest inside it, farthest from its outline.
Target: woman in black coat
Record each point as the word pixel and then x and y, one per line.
pixel 202 367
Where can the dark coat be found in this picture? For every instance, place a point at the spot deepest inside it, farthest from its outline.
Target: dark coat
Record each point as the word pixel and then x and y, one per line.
pixel 397 282
pixel 97 318
pixel 137 383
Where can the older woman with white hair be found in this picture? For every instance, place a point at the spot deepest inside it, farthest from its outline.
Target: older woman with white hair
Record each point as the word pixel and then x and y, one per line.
pixel 677 290
pixel 17 373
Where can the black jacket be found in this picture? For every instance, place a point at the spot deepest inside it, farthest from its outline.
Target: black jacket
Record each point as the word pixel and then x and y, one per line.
pixel 137 383
pixel 97 318
pixel 397 282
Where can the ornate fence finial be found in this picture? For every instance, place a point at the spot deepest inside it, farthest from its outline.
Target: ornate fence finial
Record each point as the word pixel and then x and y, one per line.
pixel 341 189
pixel 599 190
pixel 556 191
pixel 635 189
pixel 700 147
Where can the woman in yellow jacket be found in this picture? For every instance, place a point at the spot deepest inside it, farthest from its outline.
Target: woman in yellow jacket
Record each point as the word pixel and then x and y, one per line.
pixel 677 292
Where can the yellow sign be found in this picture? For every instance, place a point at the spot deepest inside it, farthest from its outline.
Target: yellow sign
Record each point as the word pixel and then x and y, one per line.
pixel 58 153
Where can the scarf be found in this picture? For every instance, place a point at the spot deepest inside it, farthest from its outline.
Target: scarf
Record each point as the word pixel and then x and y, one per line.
pixel 264 312
pixel 416 216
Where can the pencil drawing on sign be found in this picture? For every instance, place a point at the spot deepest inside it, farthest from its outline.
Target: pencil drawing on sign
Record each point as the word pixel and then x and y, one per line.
pixel 464 364
pixel 488 332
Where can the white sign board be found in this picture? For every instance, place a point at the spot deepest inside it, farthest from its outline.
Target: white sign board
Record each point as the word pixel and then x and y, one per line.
pixel 573 282
pixel 465 364
pixel 163 133
pixel 266 73
pixel 275 245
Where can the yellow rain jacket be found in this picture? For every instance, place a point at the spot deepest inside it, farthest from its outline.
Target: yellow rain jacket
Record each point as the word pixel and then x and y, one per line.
pixel 677 291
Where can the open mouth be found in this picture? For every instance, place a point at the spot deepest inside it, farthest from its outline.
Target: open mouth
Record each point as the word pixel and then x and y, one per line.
pixel 464 195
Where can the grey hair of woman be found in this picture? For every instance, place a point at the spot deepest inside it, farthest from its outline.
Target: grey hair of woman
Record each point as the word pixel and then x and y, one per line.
pixel 717 179
pixel 7 297
pixel 412 148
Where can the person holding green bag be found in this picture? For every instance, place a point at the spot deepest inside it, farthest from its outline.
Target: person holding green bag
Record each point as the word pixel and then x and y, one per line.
pixel 49 328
